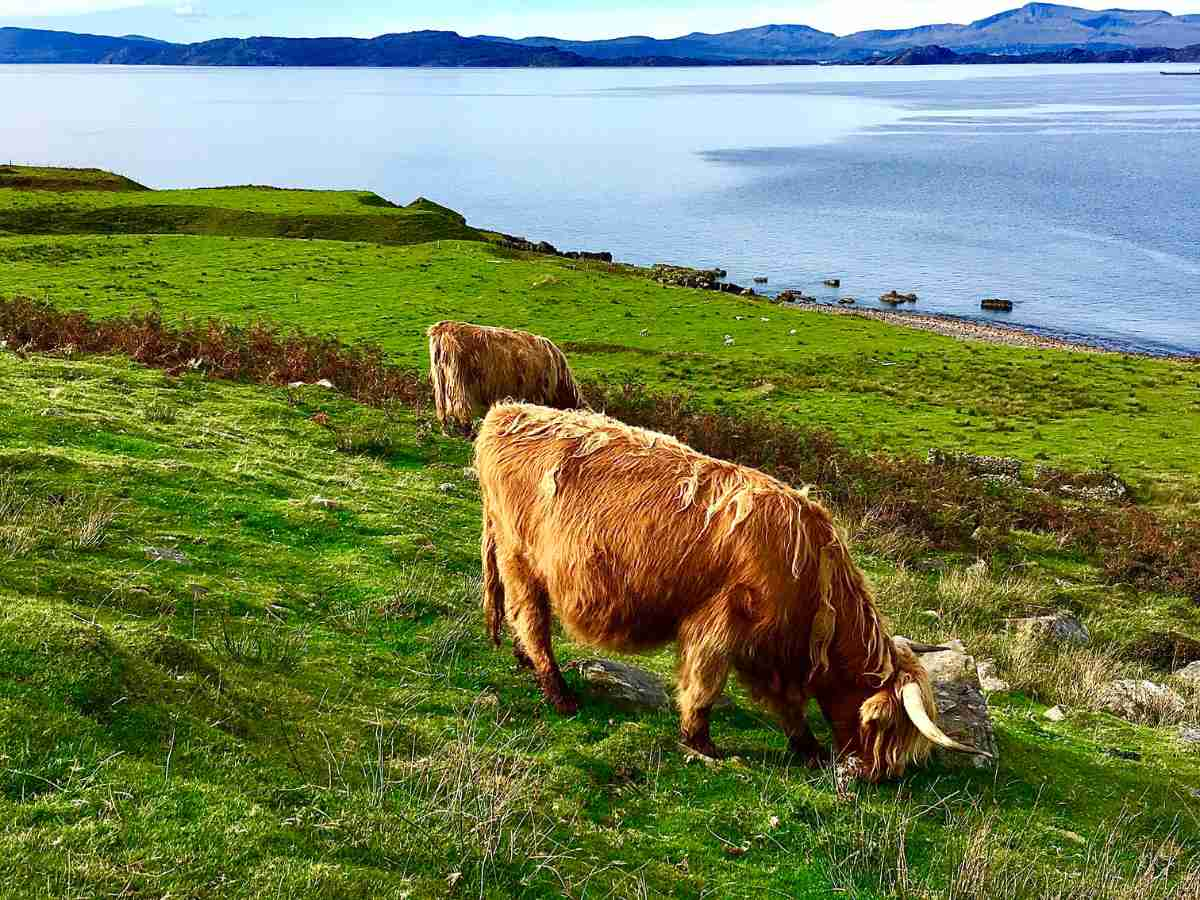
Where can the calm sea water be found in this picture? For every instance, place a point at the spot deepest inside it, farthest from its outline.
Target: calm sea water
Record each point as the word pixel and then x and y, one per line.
pixel 1074 191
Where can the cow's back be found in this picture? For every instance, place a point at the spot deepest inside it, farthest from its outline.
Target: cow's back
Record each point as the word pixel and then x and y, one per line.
pixel 632 529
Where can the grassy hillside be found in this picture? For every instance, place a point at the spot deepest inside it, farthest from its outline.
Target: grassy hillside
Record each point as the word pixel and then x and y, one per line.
pixel 210 686
pixel 879 385
pixel 51 201
pixel 241 653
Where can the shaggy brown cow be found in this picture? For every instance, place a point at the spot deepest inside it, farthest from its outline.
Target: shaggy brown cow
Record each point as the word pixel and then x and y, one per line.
pixel 474 366
pixel 633 541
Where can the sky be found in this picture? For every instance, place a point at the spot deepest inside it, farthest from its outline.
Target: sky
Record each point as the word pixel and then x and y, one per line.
pixel 197 20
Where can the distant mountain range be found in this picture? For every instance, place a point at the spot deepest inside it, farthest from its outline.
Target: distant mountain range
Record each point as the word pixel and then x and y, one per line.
pixel 1037 32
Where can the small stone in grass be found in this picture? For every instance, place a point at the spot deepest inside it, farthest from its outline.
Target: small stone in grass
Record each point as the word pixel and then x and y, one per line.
pixel 1055 714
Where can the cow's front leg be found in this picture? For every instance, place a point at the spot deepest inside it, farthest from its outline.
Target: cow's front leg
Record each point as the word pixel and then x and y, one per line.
pixel 527 608
pixel 803 743
pixel 702 676
pixel 790 706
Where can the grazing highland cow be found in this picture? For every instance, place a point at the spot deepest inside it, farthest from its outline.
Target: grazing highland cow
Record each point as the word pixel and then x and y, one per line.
pixel 474 366
pixel 633 541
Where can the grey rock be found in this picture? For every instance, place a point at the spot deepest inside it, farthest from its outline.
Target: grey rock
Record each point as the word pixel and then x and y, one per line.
pixel 622 684
pixel 629 686
pixel 1141 701
pixel 325 383
pixel 446 488
pixel 325 503
pixel 963 709
pixel 977 465
pixel 166 554
pixel 1190 672
pixel 1189 734
pixel 989 681
pixel 1061 627
pixel 997 304
pixel 833 282
pixel 1055 714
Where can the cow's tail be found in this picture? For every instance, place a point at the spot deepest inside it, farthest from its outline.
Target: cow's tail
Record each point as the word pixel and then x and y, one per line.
pixel 493 587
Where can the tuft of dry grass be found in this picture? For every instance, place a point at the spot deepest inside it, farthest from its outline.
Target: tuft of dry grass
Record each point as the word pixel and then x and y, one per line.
pixel 994 864
pixel 31 520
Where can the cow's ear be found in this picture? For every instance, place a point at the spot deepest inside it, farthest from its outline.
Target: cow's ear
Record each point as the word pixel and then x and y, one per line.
pixel 879 710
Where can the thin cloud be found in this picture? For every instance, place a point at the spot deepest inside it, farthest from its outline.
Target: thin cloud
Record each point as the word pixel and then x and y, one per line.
pixel 65 7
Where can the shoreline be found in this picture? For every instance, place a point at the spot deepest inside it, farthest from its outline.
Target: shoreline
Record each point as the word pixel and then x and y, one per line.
pixel 991 333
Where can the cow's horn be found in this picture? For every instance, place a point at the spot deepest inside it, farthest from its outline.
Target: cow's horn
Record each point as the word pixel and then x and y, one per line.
pixel 920 649
pixel 914 705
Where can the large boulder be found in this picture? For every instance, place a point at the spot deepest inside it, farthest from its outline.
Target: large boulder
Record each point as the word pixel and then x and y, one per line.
pixel 1060 628
pixel 953 673
pixel 1141 701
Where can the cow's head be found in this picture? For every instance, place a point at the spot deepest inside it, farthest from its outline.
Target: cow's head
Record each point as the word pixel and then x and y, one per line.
pixel 885 729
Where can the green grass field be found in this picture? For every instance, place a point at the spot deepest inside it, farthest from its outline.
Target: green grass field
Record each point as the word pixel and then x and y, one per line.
pixel 883 386
pixel 212 686
pixel 304 700
pixel 49 201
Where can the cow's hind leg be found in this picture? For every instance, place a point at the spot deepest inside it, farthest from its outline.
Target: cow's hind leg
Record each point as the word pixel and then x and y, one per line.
pixel 527 608
pixel 702 675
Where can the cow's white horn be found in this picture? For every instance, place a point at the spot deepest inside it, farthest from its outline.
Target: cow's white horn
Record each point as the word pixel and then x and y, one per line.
pixel 914 705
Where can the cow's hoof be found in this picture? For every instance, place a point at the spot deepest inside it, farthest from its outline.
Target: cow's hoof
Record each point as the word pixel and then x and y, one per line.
pixel 705 748
pixel 565 704
pixel 522 658
pixel 811 754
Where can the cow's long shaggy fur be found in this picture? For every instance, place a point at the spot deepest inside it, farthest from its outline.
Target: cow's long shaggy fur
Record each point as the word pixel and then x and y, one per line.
pixel 634 540
pixel 474 366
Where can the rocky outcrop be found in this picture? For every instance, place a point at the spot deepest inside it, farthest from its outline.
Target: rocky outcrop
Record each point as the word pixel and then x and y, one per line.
pixel 954 677
pixel 1001 466
pixel 702 279
pixel 1141 701
pixel 526 246
pixel 895 298
pixel 1060 628
pixel 794 297
pixel 833 282
pixel 847 301
pixel 1094 485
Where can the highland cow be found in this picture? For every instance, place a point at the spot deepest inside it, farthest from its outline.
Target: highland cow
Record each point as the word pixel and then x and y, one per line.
pixel 474 366
pixel 633 541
